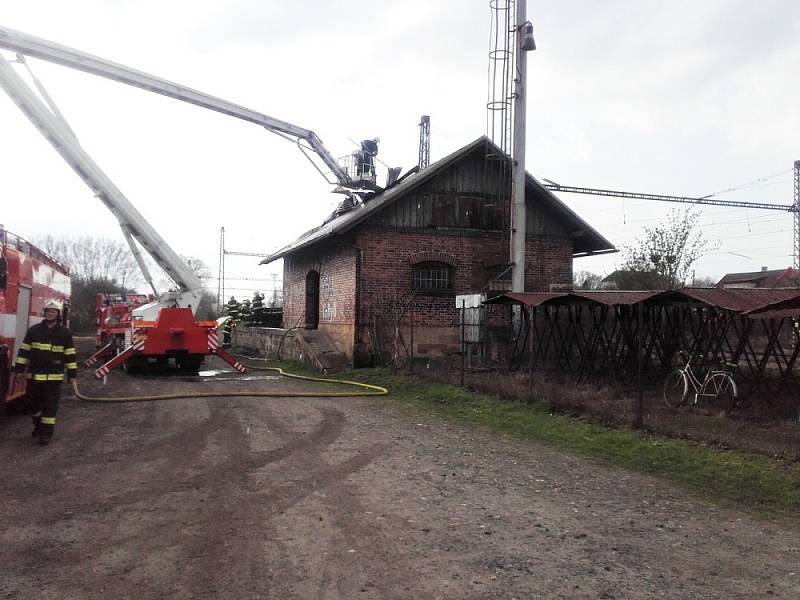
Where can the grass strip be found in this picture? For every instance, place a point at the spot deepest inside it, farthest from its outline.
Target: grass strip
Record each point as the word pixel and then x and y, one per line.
pixel 727 477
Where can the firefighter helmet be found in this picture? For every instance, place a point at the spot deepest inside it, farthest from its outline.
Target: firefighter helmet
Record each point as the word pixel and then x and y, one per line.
pixel 55 305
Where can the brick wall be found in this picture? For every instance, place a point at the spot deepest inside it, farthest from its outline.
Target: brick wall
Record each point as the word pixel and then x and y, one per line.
pixel 378 262
pixel 267 342
pixel 547 262
pixel 386 280
pixel 335 261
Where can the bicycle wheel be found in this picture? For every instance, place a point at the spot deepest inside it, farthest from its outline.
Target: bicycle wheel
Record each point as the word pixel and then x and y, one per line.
pixel 675 389
pixel 720 393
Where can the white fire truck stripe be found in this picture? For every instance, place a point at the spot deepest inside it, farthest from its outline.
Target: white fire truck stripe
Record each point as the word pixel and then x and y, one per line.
pixel 213 341
pixel 8 326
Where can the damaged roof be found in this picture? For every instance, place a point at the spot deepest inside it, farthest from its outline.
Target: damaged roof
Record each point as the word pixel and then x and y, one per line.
pixel 588 240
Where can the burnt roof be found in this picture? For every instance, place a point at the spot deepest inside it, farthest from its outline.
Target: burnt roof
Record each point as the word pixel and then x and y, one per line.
pixel 589 240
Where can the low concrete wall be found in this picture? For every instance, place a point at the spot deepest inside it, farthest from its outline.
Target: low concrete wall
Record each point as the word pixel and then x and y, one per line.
pixel 268 342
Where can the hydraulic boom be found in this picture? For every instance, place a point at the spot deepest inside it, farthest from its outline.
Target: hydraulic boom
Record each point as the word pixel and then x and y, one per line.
pixel 132 222
pixel 29 45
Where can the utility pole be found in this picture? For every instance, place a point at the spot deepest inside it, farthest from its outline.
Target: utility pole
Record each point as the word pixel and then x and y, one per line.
pixel 221 271
pixel 796 249
pixel 524 43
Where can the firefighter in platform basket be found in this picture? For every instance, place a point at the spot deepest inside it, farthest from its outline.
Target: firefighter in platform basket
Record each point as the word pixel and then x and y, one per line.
pixel 45 353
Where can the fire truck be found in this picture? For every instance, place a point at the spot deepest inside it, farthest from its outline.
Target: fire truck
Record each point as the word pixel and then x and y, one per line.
pixel 163 331
pixel 28 278
pixel 165 328
pixel 114 319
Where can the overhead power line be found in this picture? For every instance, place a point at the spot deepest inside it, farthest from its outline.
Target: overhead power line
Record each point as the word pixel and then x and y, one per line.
pixel 661 198
pixel 257 255
pixel 761 181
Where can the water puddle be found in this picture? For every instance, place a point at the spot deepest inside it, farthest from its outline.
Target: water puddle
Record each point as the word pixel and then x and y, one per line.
pixel 230 375
pixel 213 373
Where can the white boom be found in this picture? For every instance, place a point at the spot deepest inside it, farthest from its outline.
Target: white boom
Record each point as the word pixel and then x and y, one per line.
pixel 29 45
pixel 56 131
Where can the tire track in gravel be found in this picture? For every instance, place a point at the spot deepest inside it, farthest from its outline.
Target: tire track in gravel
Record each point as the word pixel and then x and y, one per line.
pixel 98 511
pixel 215 531
pixel 330 484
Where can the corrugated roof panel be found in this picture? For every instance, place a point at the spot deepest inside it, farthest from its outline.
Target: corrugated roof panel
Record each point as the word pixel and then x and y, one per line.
pixel 777 310
pixel 525 298
pixel 739 299
pixel 616 297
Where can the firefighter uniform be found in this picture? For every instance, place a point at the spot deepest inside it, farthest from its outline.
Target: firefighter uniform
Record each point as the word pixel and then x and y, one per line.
pixel 257 308
pixel 45 353
pixel 245 312
pixel 227 333
pixel 232 308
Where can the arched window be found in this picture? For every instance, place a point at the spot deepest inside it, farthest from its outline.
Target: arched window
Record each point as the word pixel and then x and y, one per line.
pixel 432 277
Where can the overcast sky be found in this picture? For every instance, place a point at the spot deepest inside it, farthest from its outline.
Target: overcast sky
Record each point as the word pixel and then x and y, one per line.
pixel 679 97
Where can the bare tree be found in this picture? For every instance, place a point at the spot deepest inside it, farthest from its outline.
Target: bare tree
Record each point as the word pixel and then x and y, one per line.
pixel 586 280
pixel 207 309
pixel 669 249
pixel 706 282
pixel 90 258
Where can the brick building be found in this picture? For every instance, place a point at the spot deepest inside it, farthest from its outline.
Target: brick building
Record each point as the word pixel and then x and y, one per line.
pixel 410 249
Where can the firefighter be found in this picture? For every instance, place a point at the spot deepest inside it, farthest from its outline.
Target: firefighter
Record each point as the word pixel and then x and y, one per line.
pixel 45 353
pixel 232 309
pixel 227 332
pixel 245 313
pixel 365 159
pixel 257 307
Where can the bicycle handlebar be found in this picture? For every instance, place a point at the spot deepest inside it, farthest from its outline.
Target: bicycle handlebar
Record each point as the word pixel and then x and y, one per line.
pixel 721 360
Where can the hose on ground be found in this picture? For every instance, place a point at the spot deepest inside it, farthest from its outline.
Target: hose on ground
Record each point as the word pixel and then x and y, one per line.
pixel 373 390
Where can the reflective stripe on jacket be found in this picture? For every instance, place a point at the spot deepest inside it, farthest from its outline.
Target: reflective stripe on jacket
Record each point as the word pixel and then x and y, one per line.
pixel 46 352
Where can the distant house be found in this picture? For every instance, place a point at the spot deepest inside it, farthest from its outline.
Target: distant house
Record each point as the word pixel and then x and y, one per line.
pixel 764 278
pixel 411 248
pixel 623 279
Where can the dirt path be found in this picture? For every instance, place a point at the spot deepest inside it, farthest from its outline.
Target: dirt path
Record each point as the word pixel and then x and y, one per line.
pixel 349 498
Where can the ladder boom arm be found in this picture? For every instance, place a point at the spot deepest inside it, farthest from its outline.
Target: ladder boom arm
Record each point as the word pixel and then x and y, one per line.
pixel 65 143
pixel 29 45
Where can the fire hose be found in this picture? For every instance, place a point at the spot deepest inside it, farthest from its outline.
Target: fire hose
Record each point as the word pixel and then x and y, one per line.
pixel 372 390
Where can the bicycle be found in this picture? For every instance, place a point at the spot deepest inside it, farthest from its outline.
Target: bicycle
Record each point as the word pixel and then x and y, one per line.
pixel 717 388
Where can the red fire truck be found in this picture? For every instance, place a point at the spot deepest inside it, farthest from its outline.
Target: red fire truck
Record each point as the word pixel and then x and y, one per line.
pixel 28 278
pixel 162 332
pixel 164 329
pixel 114 319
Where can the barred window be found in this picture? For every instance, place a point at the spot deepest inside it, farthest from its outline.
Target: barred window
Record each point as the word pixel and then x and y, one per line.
pixel 432 277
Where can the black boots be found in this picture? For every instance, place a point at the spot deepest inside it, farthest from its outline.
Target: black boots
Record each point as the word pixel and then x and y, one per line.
pixel 37 426
pixel 43 432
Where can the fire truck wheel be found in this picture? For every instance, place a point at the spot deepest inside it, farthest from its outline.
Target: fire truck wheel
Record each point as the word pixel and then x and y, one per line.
pixel 131 367
pixel 190 364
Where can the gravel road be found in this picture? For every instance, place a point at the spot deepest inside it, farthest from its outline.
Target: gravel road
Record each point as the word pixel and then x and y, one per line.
pixel 354 498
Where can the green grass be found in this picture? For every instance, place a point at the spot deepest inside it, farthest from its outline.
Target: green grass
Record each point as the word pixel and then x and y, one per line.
pixel 727 477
